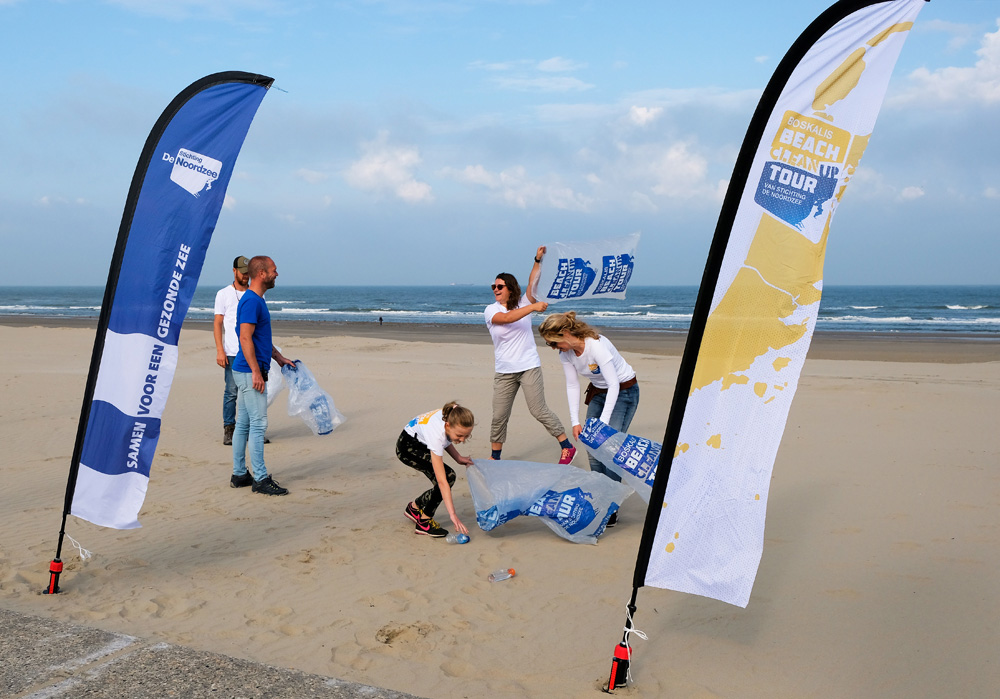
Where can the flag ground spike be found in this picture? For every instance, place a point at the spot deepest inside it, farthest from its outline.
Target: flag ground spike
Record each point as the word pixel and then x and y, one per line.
pixel 55 568
pixel 623 653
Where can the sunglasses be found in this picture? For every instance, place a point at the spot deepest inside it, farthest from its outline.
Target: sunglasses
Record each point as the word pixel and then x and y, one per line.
pixel 496 287
pixel 552 344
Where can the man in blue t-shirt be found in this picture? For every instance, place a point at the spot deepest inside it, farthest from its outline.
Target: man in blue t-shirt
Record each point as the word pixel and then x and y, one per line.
pixel 253 328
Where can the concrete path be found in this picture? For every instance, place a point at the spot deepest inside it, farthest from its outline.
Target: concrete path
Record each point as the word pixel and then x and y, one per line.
pixel 43 659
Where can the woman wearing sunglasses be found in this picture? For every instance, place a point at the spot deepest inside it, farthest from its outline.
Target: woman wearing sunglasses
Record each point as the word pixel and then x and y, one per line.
pixel 613 393
pixel 517 363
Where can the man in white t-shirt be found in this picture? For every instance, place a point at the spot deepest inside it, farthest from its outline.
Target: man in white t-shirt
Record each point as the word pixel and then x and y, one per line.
pixel 226 342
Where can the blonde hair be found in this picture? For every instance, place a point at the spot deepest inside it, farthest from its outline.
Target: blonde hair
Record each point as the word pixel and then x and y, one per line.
pixel 553 327
pixel 455 415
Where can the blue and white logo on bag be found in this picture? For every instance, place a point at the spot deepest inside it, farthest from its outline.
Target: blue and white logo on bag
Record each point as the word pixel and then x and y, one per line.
pixel 570 508
pixel 615 273
pixel 573 278
pixel 595 433
pixel 193 171
pixel 639 456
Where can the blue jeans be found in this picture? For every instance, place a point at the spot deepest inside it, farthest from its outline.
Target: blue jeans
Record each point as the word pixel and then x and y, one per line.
pixel 251 422
pixel 621 418
pixel 229 395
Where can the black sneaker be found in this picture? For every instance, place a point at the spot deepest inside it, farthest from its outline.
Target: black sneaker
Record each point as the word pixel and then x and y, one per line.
pixel 241 481
pixel 413 513
pixel 428 527
pixel 269 487
pixel 612 520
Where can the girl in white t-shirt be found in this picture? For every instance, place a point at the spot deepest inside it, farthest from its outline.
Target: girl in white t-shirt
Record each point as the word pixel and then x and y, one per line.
pixel 613 393
pixel 517 364
pixel 421 446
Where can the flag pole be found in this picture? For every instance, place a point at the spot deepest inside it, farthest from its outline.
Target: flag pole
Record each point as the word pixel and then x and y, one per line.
pixel 703 304
pixel 56 565
pixel 110 289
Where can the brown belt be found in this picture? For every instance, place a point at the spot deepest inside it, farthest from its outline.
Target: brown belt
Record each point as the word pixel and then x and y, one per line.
pixel 593 390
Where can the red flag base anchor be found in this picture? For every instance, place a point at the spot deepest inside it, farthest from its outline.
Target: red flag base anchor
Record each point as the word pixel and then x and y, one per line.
pixel 55 568
pixel 619 668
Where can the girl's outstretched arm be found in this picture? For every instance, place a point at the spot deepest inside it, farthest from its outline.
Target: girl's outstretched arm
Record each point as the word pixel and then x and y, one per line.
pixel 442 480
pixel 459 459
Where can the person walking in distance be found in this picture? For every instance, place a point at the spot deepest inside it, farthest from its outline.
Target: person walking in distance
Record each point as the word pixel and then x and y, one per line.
pixel 253 327
pixel 226 342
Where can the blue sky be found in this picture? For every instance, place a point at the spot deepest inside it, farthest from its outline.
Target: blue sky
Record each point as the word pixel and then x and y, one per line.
pixel 440 141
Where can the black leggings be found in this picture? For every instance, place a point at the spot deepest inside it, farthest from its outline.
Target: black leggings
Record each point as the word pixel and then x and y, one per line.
pixel 415 454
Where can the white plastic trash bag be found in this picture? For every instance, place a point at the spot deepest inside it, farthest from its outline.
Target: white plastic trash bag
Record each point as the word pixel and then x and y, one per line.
pixel 587 270
pixel 310 402
pixel 575 504
pixel 275 384
pixel 632 457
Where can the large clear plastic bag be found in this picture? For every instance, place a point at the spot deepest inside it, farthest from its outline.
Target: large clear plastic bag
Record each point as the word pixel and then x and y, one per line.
pixel 573 503
pixel 310 402
pixel 632 457
pixel 275 383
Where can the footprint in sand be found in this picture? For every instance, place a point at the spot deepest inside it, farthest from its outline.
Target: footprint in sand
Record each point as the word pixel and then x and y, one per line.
pixel 403 633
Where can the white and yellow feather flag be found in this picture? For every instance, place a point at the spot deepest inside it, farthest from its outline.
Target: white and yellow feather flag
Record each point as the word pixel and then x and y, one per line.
pixel 760 298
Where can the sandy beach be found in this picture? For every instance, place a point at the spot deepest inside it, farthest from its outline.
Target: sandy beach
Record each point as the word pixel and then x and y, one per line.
pixel 878 579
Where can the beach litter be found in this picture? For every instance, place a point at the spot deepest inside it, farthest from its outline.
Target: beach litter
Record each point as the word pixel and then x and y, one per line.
pixel 573 503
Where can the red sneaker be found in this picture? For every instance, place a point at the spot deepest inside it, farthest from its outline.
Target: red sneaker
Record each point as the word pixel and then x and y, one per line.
pixel 567 455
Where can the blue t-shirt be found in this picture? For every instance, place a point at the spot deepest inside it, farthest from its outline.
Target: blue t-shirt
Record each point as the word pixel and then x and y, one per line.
pixel 252 309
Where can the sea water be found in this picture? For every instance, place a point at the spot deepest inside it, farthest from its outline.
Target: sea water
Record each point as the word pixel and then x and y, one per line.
pixel 905 309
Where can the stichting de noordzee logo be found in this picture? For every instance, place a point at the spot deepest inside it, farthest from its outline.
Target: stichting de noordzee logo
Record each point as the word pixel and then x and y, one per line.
pixel 193 171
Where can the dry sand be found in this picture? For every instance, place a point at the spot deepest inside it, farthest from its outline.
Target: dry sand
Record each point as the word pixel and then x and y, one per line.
pixel 879 575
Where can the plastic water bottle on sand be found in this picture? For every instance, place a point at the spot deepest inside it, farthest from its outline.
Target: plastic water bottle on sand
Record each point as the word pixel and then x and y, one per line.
pixel 320 409
pixel 454 538
pixel 502 574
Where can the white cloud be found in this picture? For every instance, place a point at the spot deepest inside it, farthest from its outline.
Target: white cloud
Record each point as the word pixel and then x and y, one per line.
pixel 543 84
pixel 640 201
pixel 47 200
pixel 228 203
pixel 525 75
pixel 513 186
pixel 201 9
pixel 991 193
pixel 477 174
pixel 961 34
pixel 644 115
pixel 385 168
pixel 499 65
pixel 760 59
pixel 868 184
pixel 979 83
pixel 678 172
pixel 558 64
pixel 311 176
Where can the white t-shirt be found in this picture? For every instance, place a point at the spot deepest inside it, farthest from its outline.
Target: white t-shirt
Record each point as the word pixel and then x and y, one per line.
pixel 603 365
pixel 226 301
pixel 513 344
pixel 429 430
